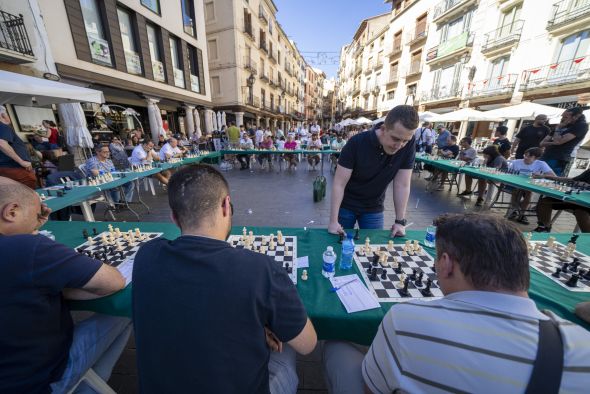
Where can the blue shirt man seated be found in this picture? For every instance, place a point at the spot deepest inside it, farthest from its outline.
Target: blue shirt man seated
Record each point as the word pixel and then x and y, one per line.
pixel 102 164
pixel 209 318
pixel 483 336
pixel 41 350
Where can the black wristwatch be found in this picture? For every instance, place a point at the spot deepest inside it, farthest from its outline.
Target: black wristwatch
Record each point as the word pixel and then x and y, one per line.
pixel 403 222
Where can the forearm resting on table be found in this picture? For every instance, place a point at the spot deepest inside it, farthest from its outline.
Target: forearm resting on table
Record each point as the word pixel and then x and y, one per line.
pixel 8 151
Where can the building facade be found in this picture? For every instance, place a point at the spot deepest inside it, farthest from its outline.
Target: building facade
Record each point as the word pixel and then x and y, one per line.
pixel 445 55
pixel 258 76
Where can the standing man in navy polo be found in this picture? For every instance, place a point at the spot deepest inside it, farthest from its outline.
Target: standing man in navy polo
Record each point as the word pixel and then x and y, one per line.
pixel 369 162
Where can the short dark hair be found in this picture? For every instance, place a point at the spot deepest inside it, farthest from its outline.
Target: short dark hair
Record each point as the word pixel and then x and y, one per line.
pixel 534 151
pixel 405 114
pixel 194 193
pixel 575 110
pixel 467 139
pixel 502 130
pixel 491 150
pixel 495 257
pixel 453 137
pixel 99 147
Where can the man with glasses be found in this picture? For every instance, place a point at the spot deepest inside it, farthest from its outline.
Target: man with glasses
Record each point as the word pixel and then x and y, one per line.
pixel 210 318
pixel 101 164
pixel 144 154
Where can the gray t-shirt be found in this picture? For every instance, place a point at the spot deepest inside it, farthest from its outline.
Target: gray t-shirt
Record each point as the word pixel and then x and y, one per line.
pixel 467 155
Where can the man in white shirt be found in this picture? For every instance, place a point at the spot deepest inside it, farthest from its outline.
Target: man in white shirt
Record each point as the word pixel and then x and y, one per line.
pixel 303 133
pixel 258 137
pixel 314 144
pixel 170 150
pixel 528 165
pixel 314 129
pixel 482 336
pixel 144 154
pixel 424 138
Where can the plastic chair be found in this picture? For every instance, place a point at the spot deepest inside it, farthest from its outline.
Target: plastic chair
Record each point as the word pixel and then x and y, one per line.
pixel 95 382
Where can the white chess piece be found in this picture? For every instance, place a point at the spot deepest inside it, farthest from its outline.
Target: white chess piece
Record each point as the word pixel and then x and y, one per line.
pixel 304 275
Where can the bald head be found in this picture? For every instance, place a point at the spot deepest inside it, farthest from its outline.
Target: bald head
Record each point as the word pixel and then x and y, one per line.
pixel 19 208
pixel 11 191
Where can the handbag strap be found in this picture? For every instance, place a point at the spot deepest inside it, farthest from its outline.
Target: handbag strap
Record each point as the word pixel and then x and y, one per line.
pixel 548 365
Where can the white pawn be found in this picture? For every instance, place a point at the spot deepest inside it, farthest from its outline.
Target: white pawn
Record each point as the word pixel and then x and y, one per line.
pixel 90 241
pixel 304 275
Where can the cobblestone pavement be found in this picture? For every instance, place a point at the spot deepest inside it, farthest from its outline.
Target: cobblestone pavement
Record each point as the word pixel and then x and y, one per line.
pixel 284 199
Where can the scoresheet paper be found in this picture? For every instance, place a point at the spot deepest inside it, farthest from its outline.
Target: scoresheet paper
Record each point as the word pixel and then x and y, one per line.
pixel 354 296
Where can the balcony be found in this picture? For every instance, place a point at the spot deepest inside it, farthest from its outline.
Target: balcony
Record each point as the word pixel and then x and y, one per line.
pixel 502 85
pixel 393 78
pixel 264 76
pixel 415 69
pixel 447 10
pixel 418 35
pixel 15 46
pixel 248 31
pixel 452 48
pixel 357 70
pixel 263 47
pixel 502 39
pixel 378 63
pixel 356 90
pixel 262 15
pixel 368 89
pixel 158 70
pixel 249 64
pixel 568 72
pixel 251 100
pixel 272 55
pixel 569 16
pixel 369 69
pixel 443 93
pixel 395 51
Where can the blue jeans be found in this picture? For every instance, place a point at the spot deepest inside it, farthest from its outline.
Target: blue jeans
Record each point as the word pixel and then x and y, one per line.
pixel 348 218
pixel 127 189
pixel 558 166
pixel 98 342
pixel 282 371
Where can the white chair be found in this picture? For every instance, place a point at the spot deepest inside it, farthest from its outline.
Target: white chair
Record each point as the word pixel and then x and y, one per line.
pixel 95 382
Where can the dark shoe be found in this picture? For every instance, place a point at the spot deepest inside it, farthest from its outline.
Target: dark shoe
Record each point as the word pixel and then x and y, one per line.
pixel 479 202
pixel 523 220
pixel 514 215
pixel 465 193
pixel 542 229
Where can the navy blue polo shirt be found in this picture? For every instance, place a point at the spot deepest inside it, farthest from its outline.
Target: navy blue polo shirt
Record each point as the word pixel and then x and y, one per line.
pixel 372 171
pixel 199 312
pixel 35 324
pixel 8 134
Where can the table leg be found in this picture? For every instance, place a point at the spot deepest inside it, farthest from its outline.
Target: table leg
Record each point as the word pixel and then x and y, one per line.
pixel 87 212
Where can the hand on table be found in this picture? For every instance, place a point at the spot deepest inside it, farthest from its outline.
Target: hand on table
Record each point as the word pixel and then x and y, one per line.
pixel 272 341
pixel 335 228
pixel 397 230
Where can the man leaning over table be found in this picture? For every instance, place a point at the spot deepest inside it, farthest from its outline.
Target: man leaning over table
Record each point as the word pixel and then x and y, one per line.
pixel 41 349
pixel 102 164
pixel 368 163
pixel 205 313
pixel 481 337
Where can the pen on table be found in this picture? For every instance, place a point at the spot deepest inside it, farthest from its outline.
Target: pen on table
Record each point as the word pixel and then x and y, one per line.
pixel 336 288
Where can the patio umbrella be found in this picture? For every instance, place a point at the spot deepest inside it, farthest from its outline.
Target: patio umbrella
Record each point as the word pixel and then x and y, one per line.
pixel 362 120
pixel 347 122
pixel 525 110
pixel 74 125
pixel 198 131
pixel 466 115
pixel 223 119
pixel 427 116
pixel 214 121
pixel 376 121
pixel 219 122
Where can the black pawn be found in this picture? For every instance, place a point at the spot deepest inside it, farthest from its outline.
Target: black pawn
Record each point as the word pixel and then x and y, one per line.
pixel 288 268
pixel 413 275
pixel 369 271
pixel 398 268
pixel 426 291
pixel 564 267
pixel 557 273
pixel 356 234
pixel 404 292
pixel 85 234
pixel 94 232
pixel 586 276
pixel 573 281
pixel 375 259
pixel 373 274
pixel 418 281
pixel 383 274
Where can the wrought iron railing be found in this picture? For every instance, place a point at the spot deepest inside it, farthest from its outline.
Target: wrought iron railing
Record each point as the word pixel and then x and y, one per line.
pixel 503 35
pixel 13 34
pixel 566 11
pixel 503 84
pixel 565 72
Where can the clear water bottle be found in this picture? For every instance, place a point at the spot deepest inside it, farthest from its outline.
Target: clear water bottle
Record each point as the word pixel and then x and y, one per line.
pixel 329 265
pixel 347 253
pixel 430 238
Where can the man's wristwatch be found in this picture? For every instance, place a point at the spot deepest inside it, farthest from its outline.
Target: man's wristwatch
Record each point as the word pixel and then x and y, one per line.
pixel 403 222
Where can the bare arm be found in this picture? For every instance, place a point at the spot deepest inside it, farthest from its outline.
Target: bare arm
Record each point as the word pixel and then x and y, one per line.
pixel 546 141
pixel 341 178
pixel 305 342
pixel 8 151
pixel 562 139
pixel 107 280
pixel 401 192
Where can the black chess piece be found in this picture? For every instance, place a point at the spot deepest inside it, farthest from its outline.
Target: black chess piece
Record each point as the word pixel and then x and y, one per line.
pixel 557 273
pixel 383 274
pixel 575 264
pixel 375 260
pixel 398 268
pixel 586 275
pixel 418 281
pixel 85 234
pixel 373 274
pixel 413 275
pixel 356 234
pixel 404 291
pixel 573 281
pixel 369 271
pixel 288 268
pixel 426 291
pixel 564 267
pixel 94 232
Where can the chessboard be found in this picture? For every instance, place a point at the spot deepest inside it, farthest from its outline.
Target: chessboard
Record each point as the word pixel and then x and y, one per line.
pixel 547 260
pixel 119 253
pixel 385 281
pixel 287 260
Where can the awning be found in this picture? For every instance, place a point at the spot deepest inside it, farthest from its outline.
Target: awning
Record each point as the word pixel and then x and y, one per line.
pixel 526 110
pixel 26 90
pixel 465 114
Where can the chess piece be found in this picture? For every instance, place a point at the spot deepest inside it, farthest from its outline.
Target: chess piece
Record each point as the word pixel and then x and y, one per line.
pixel 418 281
pixel 304 275
pixel 375 261
pixel 280 238
pixel 413 275
pixel 383 274
pixel 356 234
pixel 574 238
pixel 85 234
pixel 271 245
pixel 564 267
pixel 404 291
pixel 288 268
pixel 426 291
pixel 390 246
pixel 550 242
pixel 90 241
pixel 398 268
pixel 373 276
pixel 573 281
pixel 416 245
pixel 557 273
pixel 94 232
pixel 383 259
pixel 367 244
pixel 402 279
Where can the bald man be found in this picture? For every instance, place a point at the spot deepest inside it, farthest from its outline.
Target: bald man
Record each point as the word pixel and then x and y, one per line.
pixel 42 350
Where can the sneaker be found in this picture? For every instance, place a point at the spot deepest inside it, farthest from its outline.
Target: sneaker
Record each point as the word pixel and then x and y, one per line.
pixel 514 215
pixel 542 229
pixel 523 220
pixel 465 193
pixel 479 202
pixel 428 178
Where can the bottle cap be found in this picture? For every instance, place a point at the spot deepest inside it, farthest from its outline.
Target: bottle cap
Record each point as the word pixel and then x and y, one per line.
pixel 330 249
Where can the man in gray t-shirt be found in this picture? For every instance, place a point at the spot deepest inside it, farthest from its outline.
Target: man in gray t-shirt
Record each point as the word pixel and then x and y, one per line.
pixel 467 153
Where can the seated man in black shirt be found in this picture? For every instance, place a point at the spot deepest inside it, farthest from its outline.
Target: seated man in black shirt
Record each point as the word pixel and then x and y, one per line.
pixel 449 151
pixel 369 162
pixel 546 205
pixel 202 310
pixel 502 141
pixel 41 350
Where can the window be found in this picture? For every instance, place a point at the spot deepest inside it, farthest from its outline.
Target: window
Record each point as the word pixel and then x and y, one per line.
pixel 212 48
pixel 270 27
pixel 496 70
pixel 390 95
pixel 195 70
pixel 188 17
pixel 216 86
pixel 209 11
pixel 132 58
pixel 100 50
pixel 411 90
pixel 153 5
pixel 175 53
pixel 455 27
pixel 248 23
pixel 574 46
pixel 155 44
pixel 509 19
pixel 263 97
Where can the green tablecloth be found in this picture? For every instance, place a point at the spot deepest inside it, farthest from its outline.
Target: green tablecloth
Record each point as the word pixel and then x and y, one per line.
pixel 324 308
pixel 275 152
pixel 441 164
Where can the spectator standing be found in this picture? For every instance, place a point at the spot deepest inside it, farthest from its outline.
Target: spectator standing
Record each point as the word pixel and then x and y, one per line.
pixel 502 141
pixel 530 136
pixel 443 136
pixel 424 138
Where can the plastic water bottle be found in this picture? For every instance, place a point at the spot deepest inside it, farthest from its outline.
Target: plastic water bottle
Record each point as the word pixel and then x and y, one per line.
pixel 347 253
pixel 329 265
pixel 430 238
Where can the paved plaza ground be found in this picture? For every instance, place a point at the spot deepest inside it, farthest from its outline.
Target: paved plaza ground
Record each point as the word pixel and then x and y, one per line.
pixel 284 199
